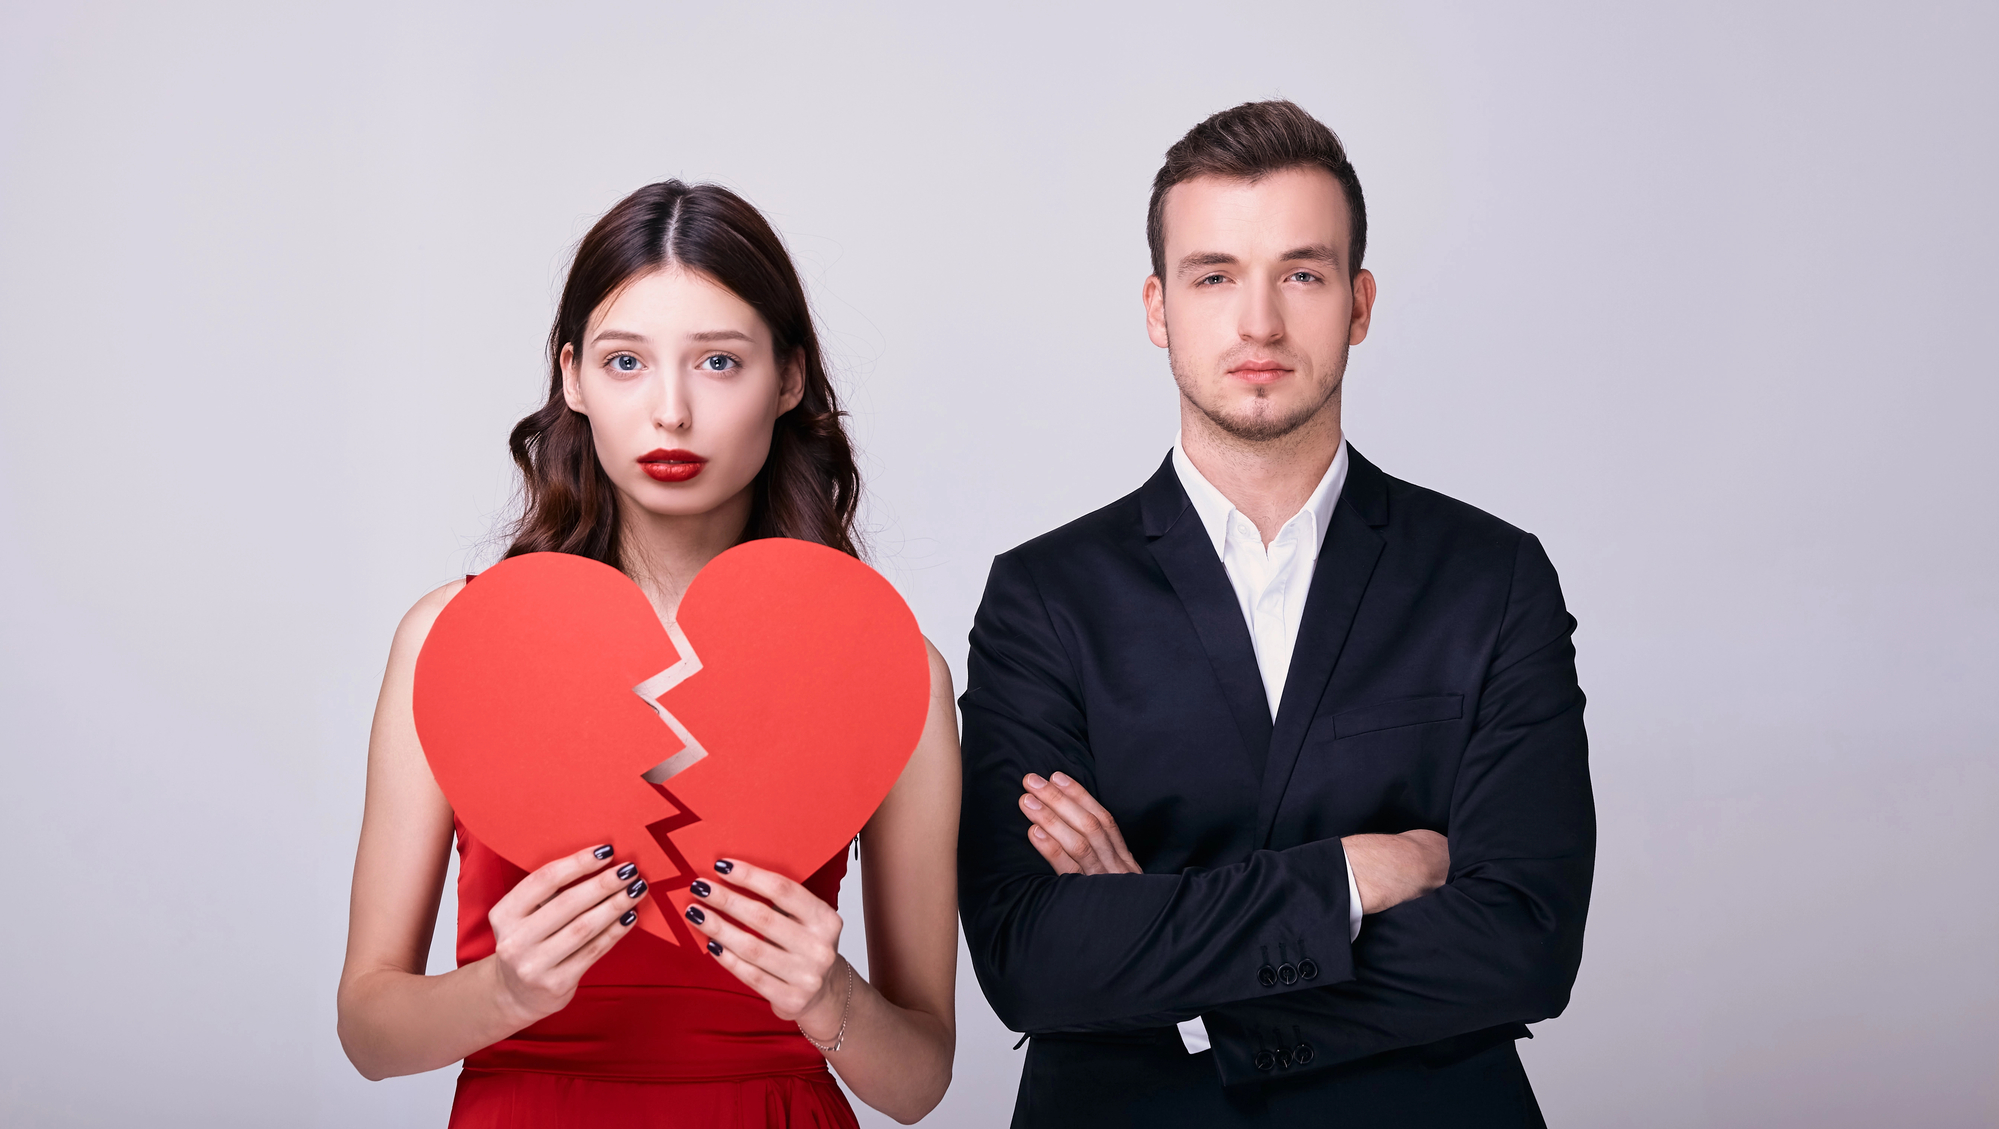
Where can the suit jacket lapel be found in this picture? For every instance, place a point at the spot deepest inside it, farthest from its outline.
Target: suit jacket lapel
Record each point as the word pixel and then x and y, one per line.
pixel 1181 546
pixel 1339 580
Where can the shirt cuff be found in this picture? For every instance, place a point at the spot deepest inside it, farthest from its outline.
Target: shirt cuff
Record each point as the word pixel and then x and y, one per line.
pixel 1194 1034
pixel 1353 920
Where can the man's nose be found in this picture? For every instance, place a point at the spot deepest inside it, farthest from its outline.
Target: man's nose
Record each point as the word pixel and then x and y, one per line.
pixel 1260 318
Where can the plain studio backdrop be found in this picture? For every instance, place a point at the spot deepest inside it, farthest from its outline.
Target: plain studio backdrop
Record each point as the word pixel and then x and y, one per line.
pixel 1701 295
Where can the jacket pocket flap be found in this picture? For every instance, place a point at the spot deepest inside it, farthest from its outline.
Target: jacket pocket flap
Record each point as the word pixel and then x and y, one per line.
pixel 1395 714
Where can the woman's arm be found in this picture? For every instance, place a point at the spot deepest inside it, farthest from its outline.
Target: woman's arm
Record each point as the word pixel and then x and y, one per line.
pixel 393 1018
pixel 901 1028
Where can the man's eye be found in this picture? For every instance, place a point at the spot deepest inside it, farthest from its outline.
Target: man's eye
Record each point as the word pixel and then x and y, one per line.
pixel 625 362
pixel 720 362
pixel 1304 276
pixel 1213 278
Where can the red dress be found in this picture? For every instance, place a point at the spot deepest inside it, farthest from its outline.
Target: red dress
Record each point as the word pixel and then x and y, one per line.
pixel 657 1036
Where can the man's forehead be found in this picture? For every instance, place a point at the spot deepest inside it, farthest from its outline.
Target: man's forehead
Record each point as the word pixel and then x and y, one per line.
pixel 1273 213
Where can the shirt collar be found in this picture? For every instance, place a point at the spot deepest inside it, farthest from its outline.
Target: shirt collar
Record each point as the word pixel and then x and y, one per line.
pixel 1214 508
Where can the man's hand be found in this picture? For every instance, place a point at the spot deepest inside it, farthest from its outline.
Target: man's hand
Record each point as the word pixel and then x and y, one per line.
pixel 1071 830
pixel 1392 869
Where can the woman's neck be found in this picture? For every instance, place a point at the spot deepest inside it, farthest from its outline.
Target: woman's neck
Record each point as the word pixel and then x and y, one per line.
pixel 662 552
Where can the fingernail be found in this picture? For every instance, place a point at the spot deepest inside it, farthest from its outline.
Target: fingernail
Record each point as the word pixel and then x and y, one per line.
pixel 636 888
pixel 695 915
pixel 627 870
pixel 1034 803
pixel 631 915
pixel 724 866
pixel 701 889
pixel 1062 780
pixel 1038 833
pixel 715 948
pixel 1034 781
pixel 602 853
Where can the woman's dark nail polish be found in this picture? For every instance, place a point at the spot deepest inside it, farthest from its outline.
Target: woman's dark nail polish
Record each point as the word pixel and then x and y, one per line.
pixel 636 888
pixel 603 852
pixel 627 870
pixel 724 866
pixel 701 889
pixel 715 948
pixel 630 916
pixel 695 915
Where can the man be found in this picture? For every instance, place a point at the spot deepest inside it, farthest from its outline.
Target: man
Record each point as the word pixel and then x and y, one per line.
pixel 1277 805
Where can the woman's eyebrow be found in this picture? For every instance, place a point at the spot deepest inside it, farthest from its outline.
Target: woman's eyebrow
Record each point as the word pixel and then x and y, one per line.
pixel 721 335
pixel 618 335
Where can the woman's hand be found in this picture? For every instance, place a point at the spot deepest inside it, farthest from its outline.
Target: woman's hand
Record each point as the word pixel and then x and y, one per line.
pixel 1071 830
pixel 792 964
pixel 546 936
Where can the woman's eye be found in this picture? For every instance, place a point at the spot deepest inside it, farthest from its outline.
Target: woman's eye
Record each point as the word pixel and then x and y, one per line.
pixel 625 362
pixel 720 362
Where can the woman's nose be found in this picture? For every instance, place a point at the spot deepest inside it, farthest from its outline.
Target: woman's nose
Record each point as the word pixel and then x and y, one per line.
pixel 671 411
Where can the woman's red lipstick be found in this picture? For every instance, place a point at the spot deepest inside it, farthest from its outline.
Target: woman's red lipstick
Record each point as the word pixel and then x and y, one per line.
pixel 673 465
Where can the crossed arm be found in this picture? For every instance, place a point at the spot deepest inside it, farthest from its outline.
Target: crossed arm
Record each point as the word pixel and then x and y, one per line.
pixel 1073 832
pixel 1068 933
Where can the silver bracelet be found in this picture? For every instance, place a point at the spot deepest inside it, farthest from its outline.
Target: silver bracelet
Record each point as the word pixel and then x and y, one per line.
pixel 845 1010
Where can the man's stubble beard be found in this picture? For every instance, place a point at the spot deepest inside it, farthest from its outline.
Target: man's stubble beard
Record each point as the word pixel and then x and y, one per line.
pixel 1258 429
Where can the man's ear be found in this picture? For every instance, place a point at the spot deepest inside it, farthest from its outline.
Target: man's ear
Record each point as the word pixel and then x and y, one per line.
pixel 1363 307
pixel 1154 296
pixel 572 384
pixel 791 386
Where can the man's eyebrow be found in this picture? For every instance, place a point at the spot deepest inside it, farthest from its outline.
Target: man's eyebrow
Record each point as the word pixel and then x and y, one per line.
pixel 1203 259
pixel 1313 253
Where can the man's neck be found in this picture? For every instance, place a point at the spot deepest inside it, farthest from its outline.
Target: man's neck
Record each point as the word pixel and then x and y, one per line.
pixel 1269 481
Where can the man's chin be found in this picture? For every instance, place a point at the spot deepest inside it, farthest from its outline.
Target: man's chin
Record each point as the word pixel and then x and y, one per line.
pixel 1261 423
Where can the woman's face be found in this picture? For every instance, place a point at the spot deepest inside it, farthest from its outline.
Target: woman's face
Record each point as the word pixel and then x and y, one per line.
pixel 682 385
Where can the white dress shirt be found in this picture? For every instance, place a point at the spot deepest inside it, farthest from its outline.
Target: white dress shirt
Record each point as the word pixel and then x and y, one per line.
pixel 1270 585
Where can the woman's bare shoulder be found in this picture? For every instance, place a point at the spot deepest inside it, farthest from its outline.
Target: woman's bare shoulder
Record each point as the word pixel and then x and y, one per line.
pixel 940 671
pixel 415 625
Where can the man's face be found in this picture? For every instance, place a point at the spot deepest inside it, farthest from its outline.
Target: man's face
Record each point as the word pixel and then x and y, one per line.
pixel 1257 307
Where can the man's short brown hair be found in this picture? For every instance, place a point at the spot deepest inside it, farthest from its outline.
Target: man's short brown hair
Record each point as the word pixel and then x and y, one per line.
pixel 1249 142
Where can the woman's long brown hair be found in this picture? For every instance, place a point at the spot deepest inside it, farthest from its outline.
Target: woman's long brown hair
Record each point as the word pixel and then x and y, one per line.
pixel 809 487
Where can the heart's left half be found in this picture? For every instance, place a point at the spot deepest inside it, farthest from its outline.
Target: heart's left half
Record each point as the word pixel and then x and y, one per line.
pixel 557 712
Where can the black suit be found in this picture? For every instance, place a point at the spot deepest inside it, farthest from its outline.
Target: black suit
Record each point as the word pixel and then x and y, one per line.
pixel 1433 686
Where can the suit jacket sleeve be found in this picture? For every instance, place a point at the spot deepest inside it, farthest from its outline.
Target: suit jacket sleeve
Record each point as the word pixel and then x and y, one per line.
pixel 1080 952
pixel 1500 942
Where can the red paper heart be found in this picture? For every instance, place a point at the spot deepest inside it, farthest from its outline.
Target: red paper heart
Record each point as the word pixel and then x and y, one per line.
pixel 791 691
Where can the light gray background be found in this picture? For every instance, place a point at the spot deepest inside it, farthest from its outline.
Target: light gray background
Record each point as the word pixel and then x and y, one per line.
pixel 1701 294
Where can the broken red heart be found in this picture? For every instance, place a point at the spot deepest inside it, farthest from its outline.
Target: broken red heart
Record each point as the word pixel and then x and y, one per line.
pixel 767 724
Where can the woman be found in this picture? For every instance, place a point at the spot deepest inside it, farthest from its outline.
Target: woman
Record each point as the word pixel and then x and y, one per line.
pixel 688 411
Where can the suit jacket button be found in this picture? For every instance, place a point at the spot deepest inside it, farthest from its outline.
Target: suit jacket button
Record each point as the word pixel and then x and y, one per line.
pixel 1287 973
pixel 1283 1058
pixel 1302 1054
pixel 1265 1060
pixel 1308 969
pixel 1266 976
